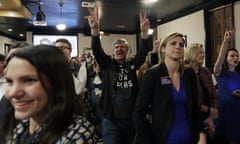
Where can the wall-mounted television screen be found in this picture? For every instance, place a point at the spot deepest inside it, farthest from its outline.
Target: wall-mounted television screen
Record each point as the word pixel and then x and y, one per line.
pixel 50 39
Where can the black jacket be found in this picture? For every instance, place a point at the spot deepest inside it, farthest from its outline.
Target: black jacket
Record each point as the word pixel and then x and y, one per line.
pixel 109 67
pixel 3 104
pixel 159 96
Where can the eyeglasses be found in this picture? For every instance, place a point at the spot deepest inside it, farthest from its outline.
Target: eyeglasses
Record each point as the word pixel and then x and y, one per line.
pixel 63 47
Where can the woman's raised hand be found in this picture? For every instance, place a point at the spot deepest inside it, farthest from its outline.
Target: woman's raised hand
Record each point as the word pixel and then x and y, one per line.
pixel 228 34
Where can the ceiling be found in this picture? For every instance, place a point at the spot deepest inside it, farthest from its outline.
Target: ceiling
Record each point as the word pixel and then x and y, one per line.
pixel 117 16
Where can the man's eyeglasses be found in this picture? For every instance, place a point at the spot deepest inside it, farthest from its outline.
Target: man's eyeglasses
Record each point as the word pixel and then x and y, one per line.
pixel 63 47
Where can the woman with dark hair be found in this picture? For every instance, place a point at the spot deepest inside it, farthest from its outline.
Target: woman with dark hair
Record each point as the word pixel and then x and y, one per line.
pixel 42 101
pixel 228 80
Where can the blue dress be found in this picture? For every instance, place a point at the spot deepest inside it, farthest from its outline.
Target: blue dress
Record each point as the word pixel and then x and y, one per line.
pixel 180 131
pixel 229 105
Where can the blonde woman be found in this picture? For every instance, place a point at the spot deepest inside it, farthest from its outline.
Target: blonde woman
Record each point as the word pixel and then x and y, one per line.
pixel 171 91
pixel 194 58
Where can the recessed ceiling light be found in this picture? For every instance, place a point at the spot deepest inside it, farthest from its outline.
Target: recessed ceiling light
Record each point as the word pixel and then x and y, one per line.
pixel 21 35
pixel 10 29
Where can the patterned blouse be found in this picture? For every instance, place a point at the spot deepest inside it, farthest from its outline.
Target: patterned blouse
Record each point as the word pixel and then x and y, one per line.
pixel 79 132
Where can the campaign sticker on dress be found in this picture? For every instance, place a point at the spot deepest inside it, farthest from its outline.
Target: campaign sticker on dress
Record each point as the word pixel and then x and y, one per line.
pixel 166 80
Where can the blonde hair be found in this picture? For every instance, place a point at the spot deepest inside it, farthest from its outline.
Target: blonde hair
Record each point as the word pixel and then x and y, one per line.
pixel 161 55
pixel 191 53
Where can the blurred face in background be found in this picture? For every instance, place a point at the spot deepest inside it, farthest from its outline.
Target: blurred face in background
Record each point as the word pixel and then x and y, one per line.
pixel 65 48
pixel 200 55
pixel 81 58
pixel 232 58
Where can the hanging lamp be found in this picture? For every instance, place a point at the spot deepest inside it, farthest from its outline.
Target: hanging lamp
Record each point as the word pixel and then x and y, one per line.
pixel 61 26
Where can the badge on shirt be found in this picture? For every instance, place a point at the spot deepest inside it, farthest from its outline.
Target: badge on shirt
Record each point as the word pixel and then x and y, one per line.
pixel 165 80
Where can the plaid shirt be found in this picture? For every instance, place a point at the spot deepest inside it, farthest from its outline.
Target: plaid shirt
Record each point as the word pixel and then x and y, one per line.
pixel 79 132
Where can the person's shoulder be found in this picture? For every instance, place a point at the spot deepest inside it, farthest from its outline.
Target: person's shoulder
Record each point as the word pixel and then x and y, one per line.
pixel 188 71
pixel 155 68
pixel 82 125
pixel 82 122
pixel 205 69
pixel 80 131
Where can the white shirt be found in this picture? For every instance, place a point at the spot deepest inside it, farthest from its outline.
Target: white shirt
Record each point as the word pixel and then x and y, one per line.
pixel 2 86
pixel 81 80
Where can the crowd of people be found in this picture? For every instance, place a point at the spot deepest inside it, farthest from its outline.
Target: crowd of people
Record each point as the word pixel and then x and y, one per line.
pixel 162 95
